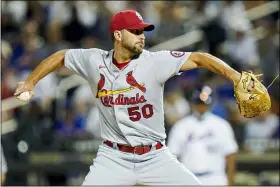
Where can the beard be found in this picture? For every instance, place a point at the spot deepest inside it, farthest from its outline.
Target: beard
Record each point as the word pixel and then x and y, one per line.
pixel 135 49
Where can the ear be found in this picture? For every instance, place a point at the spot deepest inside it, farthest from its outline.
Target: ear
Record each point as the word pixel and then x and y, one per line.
pixel 118 35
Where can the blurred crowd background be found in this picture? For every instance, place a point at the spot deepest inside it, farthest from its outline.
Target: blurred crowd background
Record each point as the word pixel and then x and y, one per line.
pixel 53 122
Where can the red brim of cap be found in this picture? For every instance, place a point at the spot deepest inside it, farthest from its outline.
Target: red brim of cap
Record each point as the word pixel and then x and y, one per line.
pixel 143 25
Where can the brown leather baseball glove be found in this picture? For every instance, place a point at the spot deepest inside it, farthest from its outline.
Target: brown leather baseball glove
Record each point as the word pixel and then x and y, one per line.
pixel 252 102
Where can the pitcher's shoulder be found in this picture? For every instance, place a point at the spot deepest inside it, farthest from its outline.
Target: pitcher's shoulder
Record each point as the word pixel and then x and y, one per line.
pixel 89 52
pixel 96 51
pixel 153 53
pixel 161 54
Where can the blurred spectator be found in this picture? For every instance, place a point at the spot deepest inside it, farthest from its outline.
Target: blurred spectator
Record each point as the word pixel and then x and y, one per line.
pixel 26 53
pixel 82 100
pixel 74 123
pixel 10 13
pixel 174 16
pixel 35 11
pixel 8 83
pixel 16 9
pixel 92 123
pixel 242 49
pixel 268 47
pixel 206 17
pixel 46 91
pixel 54 39
pixel 151 12
pixel 8 76
pixel 233 12
pixel 204 12
pixel 8 79
pixel 77 18
pixel 22 11
pixel 70 126
pixel 259 131
pixel 276 133
pixel 275 97
pixel 6 52
pixel 86 109
pixel 175 107
pixel 237 121
pixel 115 6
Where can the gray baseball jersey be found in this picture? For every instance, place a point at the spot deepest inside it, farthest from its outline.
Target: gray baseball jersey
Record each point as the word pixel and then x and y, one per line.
pixel 130 100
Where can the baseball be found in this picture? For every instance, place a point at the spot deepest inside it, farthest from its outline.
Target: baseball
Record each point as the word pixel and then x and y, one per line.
pixel 24 96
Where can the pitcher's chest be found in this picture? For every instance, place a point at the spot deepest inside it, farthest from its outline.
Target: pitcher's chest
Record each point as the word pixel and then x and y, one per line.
pixel 132 85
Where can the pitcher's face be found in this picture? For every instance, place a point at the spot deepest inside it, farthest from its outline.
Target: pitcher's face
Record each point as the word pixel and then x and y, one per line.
pixel 133 40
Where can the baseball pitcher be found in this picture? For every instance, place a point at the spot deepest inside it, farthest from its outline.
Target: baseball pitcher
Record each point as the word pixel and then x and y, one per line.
pixel 127 84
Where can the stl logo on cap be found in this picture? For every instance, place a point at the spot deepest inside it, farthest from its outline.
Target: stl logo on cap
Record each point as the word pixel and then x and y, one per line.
pixel 139 16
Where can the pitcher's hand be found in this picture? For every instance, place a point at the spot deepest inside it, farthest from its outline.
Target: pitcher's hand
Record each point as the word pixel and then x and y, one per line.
pixel 24 91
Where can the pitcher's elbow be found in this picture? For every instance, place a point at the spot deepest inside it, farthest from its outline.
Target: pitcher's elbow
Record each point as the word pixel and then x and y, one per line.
pixel 199 58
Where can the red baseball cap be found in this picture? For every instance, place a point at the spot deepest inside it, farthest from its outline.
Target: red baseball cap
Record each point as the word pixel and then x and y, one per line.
pixel 129 19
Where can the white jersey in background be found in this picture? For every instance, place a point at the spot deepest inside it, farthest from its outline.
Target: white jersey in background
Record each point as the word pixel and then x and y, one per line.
pixel 202 145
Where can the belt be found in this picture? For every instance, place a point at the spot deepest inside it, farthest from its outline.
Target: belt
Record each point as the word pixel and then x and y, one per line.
pixel 139 150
